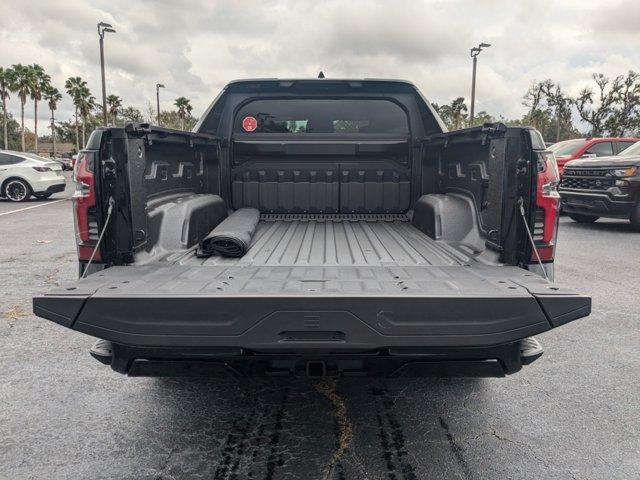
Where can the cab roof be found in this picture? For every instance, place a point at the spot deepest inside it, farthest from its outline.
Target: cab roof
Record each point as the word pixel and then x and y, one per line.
pixel 350 84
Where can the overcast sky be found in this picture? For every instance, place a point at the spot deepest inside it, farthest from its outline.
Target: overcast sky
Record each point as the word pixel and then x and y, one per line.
pixel 196 47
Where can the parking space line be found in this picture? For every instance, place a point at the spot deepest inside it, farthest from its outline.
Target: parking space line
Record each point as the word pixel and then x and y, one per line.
pixel 34 206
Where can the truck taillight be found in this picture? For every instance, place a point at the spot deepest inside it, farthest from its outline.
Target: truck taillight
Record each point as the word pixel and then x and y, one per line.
pixel 548 204
pixel 85 207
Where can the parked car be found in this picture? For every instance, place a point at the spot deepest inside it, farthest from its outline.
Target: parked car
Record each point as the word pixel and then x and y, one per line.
pixel 603 187
pixel 568 150
pixel 25 174
pixel 361 239
pixel 66 163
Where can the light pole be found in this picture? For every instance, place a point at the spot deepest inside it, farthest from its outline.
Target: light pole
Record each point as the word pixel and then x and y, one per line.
pixel 475 51
pixel 158 87
pixel 102 28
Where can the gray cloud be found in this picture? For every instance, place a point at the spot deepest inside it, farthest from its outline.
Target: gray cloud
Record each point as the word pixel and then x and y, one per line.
pixel 194 47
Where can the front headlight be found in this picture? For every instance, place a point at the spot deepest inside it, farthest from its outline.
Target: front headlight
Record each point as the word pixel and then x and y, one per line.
pixel 624 172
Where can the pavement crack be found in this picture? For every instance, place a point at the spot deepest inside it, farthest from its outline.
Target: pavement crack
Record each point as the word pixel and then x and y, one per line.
pixel 327 387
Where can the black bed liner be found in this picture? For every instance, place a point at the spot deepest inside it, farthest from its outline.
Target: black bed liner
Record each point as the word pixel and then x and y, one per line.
pixel 340 240
pixel 328 284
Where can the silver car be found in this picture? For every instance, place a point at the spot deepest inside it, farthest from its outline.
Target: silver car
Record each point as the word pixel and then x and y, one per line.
pixel 25 174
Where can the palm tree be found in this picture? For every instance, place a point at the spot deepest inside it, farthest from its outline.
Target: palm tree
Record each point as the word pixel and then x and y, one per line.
pixel 458 112
pixel 40 83
pixel 53 96
pixel 184 109
pixel 114 102
pixel 74 86
pixel 86 103
pixel 21 80
pixel 5 75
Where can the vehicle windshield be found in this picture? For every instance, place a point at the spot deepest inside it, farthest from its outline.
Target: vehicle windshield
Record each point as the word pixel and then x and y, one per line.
pixel 567 148
pixel 632 150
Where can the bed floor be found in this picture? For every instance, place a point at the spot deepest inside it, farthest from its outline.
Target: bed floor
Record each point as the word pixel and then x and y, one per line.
pixel 340 240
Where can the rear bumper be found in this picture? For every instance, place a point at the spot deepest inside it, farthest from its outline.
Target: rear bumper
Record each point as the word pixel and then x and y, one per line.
pixel 55 185
pixel 596 204
pixel 468 362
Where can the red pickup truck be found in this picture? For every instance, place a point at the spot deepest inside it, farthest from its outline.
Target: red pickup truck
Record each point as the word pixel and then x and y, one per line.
pixel 568 150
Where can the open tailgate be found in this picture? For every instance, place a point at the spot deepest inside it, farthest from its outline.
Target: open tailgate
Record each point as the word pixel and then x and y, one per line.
pixel 282 307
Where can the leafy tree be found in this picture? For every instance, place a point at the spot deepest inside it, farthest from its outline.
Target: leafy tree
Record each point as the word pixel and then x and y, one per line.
pixel 65 132
pixel 560 104
pixel 86 105
pixel 114 102
pixel 184 109
pixel 74 87
pixel 20 81
pixel 40 83
pixel 172 119
pixel 625 117
pixel 52 95
pixel 533 99
pixel 454 114
pixel 481 118
pixel 549 111
pixel 130 115
pixel 596 108
pixel 5 78
pixel 11 133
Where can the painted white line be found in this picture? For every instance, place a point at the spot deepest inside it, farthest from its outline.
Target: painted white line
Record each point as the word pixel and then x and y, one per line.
pixel 34 206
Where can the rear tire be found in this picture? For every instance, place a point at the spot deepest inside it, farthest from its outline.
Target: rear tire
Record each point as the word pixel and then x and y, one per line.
pixel 635 217
pixel 577 217
pixel 16 190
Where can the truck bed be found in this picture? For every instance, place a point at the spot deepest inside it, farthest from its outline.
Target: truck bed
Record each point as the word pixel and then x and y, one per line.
pixel 338 283
pixel 340 240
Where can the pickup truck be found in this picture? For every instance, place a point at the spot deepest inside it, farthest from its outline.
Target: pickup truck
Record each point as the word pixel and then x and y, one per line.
pixel 385 246
pixel 603 187
pixel 592 147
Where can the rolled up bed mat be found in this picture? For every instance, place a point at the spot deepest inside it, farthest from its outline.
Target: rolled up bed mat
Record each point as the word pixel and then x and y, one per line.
pixel 232 237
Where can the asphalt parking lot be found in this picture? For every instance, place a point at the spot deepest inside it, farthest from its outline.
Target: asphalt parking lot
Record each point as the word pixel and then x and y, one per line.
pixel 573 414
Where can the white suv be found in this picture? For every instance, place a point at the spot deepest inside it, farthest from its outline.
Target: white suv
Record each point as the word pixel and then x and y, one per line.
pixel 26 174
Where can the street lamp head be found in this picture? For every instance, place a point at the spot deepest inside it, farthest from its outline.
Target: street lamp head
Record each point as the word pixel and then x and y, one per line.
pixel 159 85
pixel 475 51
pixel 104 27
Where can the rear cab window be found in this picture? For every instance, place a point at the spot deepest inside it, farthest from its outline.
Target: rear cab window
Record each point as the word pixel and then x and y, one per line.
pixel 622 145
pixel 324 116
pixel 600 149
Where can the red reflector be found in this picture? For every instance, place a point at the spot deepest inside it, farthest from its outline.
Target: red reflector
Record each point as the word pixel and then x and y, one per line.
pixel 546 253
pixel 85 252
